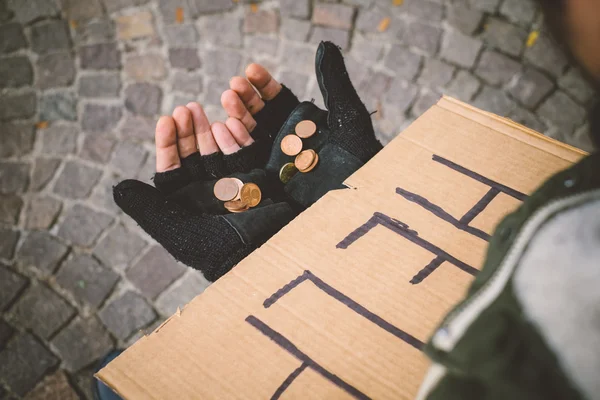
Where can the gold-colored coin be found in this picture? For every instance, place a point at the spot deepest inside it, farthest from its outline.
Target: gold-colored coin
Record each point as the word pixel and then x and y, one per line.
pixel 239 184
pixel 313 165
pixel 306 129
pixel 226 189
pixel 287 172
pixel 236 206
pixel 305 159
pixel 251 194
pixel 291 145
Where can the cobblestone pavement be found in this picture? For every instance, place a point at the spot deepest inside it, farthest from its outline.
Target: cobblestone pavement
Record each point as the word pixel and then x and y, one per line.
pixel 83 82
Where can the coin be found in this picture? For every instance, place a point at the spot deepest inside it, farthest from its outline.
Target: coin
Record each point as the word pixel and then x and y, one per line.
pixel 305 159
pixel 287 172
pixel 236 206
pixel 239 184
pixel 313 165
pixel 226 189
pixel 250 194
pixel 291 145
pixel 306 129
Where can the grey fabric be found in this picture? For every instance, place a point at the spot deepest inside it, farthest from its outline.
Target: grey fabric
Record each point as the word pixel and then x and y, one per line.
pixel 558 285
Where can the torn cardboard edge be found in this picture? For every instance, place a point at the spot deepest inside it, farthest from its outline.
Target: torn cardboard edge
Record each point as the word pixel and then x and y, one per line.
pixel 228 367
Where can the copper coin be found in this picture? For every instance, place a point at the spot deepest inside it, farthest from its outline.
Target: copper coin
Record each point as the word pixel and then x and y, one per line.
pixel 236 206
pixel 313 165
pixel 306 129
pixel 240 184
pixel 251 194
pixel 291 145
pixel 287 172
pixel 226 189
pixel 305 159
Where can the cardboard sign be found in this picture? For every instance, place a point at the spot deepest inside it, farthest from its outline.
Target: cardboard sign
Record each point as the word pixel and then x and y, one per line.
pixel 339 304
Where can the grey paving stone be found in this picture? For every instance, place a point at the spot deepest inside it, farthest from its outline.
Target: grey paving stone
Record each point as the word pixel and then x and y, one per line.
pixel 100 56
pixel 42 251
pixel 365 49
pixel 561 111
pixel 464 18
pixel 184 35
pixel 128 157
pixel 520 12
pixel 82 225
pixel 138 127
pixel 10 208
pixel 490 6
pixel 338 16
pixel 145 67
pixel 102 196
pixel 262 45
pixel 424 37
pixel 27 11
pixel 546 55
pixel 50 35
pixel 261 21
pixel 401 95
pixel 8 243
pixel 95 31
pixel 116 5
pixel 43 171
pixel 154 272
pixel 11 284
pixel 574 84
pixel 58 106
pixel 55 386
pixel 464 86
pixel 168 10
pixel 55 70
pixel 14 177
pixel 436 73
pixel 15 72
pixel 97 148
pixel 528 119
pixel 135 25
pixel 184 58
pixel 426 10
pixel 17 106
pixel 24 362
pixel 41 212
pixel 376 84
pixel 87 280
pixel 582 139
pixel 200 7
pixel 298 57
pixel 16 139
pixel 99 118
pixel 496 68
pixel 42 310
pixel 76 180
pixel 143 98
pixel 530 87
pixel 505 36
pixel 182 99
pixel 100 86
pixel 403 62
pixel 368 20
pixel 58 139
pixel 211 30
pixel 76 10
pixel 296 81
pixel 495 101
pixel 222 63
pixel 119 247
pixel 6 332
pixel 338 36
pixel 186 82
pixel 295 8
pixel 460 49
pixel 126 314
pixel 178 295
pixel 81 343
pixel 424 102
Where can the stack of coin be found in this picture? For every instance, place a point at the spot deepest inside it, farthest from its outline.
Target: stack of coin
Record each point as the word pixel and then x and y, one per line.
pixel 238 196
pixel 291 145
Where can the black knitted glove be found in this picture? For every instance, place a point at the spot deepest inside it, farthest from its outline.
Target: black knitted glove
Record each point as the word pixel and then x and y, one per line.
pixel 345 139
pixel 195 227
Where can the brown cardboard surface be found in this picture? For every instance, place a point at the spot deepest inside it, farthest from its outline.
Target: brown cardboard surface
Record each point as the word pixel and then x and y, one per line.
pixel 338 304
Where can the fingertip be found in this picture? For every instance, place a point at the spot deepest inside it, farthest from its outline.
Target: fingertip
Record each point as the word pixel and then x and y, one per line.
pixel 165 134
pixel 239 132
pixel 224 138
